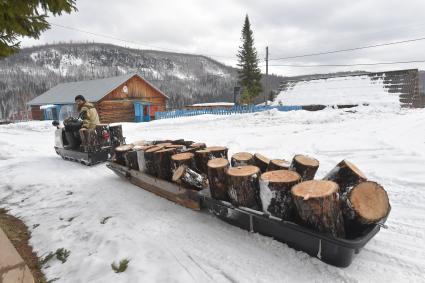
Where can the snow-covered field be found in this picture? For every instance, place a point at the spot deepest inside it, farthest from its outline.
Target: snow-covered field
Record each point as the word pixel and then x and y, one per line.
pixel 168 243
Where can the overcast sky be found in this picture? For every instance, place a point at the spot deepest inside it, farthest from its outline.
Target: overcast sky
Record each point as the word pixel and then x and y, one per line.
pixel 288 27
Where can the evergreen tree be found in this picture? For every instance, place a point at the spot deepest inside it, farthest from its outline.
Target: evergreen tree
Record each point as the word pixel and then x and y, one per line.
pixel 27 18
pixel 249 73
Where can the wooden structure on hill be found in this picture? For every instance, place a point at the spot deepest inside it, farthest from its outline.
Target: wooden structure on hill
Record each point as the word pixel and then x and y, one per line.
pixel 127 98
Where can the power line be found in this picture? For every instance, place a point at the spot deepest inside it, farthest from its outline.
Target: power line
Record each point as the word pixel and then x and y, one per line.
pixel 349 49
pixel 136 43
pixel 345 65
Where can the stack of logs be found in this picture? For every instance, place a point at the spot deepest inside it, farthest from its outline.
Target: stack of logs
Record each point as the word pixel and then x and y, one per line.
pixel 342 204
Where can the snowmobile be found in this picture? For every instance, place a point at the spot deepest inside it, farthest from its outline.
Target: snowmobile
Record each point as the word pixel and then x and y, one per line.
pixel 88 147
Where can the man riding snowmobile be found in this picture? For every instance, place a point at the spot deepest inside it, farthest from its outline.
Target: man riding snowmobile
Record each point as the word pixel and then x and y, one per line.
pixel 87 119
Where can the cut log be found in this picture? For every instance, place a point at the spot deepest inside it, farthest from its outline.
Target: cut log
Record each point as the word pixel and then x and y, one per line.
pixel 120 154
pixel 217 177
pixel 198 145
pixel 201 160
pixel 162 163
pixel 346 175
pixel 261 162
pixel 305 166
pixel 178 147
pixel 140 152
pixel 163 144
pixel 190 179
pixel 182 142
pixel 149 160
pixel 318 205
pixel 275 193
pixel 278 164
pixel 185 158
pixel 218 151
pixel 242 159
pixel 366 203
pixel 103 136
pixel 243 186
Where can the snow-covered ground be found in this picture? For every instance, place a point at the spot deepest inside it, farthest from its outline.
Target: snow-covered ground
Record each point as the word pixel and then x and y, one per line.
pixel 168 243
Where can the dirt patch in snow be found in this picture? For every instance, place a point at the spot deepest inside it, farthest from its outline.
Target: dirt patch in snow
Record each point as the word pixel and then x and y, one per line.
pixel 19 235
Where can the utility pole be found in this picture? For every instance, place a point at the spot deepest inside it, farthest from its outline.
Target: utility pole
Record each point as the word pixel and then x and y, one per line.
pixel 267 75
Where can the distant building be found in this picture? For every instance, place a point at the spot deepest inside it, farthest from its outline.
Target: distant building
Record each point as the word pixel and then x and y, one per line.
pixel 127 98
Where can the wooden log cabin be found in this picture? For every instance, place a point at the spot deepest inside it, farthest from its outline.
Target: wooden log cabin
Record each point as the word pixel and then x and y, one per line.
pixel 127 98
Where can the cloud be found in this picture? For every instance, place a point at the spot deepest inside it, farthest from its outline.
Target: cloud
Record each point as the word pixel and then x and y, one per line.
pixel 288 27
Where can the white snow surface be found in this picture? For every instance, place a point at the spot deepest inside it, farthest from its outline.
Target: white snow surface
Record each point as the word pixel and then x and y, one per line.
pixel 168 243
pixel 338 91
pixel 214 104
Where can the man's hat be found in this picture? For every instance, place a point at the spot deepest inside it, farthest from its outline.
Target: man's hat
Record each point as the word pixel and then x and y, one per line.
pixel 80 97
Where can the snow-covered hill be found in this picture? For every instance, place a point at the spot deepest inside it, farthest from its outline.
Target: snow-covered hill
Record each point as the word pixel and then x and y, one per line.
pixel 64 203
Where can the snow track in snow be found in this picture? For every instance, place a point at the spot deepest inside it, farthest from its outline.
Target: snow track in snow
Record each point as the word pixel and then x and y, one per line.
pixel 166 242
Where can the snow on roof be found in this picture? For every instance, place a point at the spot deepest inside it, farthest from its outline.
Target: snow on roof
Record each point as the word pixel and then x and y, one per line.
pixel 338 91
pixel 92 90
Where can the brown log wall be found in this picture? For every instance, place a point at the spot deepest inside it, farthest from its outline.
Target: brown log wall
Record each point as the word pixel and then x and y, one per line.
pixel 37 113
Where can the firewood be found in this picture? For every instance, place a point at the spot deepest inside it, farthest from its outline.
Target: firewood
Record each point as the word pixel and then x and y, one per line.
pixel 366 203
pixel 189 178
pixel 140 153
pixel 198 145
pixel 218 151
pixel 120 154
pixel 243 186
pixel 185 158
pixel 261 162
pixel 242 159
pixel 178 147
pixel 275 193
pixel 278 164
pixel 201 159
pixel 149 160
pixel 305 166
pixel 217 177
pixel 318 205
pixel 162 163
pixel 346 175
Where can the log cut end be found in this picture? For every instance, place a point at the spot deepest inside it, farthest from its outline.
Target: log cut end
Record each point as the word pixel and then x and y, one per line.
pixel 278 164
pixel 216 148
pixel 153 149
pixel 163 144
pixel 242 171
pixel 124 148
pixel 179 173
pixel 199 145
pixel 370 201
pixel 306 160
pixel 281 176
pixel 354 169
pixel 218 163
pixel 314 189
pixel 182 156
pixel 242 156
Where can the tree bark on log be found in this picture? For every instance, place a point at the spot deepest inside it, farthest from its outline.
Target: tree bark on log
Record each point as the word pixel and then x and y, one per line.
pixel 189 178
pixel 305 166
pixel 217 177
pixel 242 159
pixel 261 162
pixel 346 175
pixel 140 151
pixel 275 193
pixel 201 160
pixel 179 147
pixel 366 203
pixel 149 161
pixel 162 163
pixel 120 154
pixel 116 136
pixel 243 186
pixel 278 164
pixel 218 151
pixel 318 205
pixel 185 158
